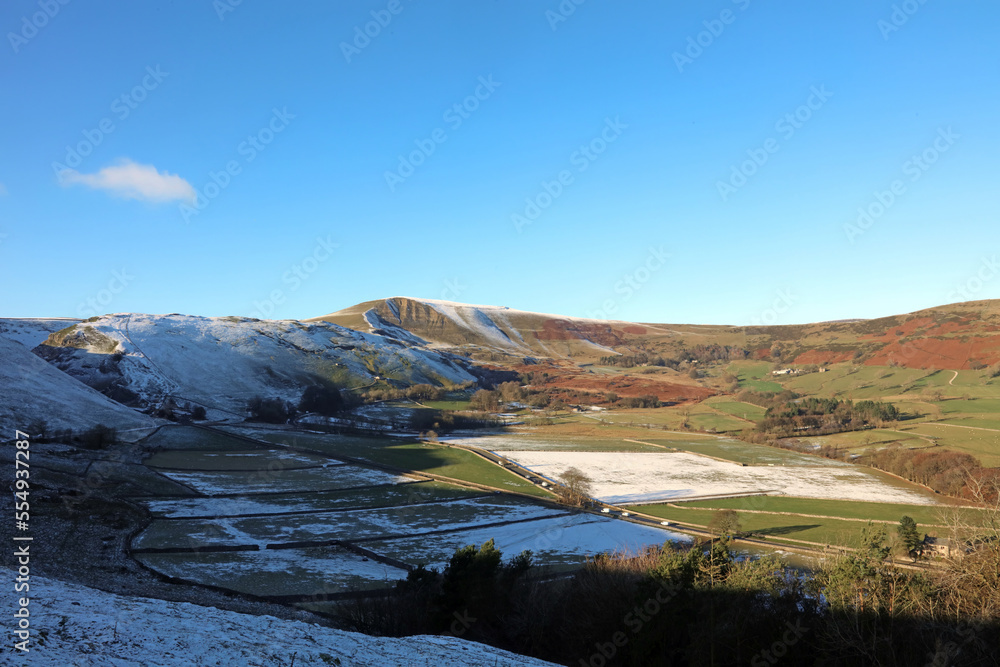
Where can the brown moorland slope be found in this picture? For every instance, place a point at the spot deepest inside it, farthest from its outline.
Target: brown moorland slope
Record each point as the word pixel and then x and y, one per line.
pixel 956 337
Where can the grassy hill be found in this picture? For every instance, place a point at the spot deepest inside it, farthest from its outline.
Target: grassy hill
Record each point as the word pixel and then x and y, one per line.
pixel 964 336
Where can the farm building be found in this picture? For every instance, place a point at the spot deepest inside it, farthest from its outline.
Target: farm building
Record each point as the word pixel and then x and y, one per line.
pixel 937 546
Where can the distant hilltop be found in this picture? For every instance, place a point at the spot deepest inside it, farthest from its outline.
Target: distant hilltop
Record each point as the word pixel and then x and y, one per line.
pixel 957 336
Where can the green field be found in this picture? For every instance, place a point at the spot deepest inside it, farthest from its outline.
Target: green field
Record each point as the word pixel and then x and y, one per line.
pixel 859 382
pixel 456 406
pixel 244 459
pixel 190 437
pixel 408 455
pixel 859 441
pixel 737 408
pixel 755 375
pixel 703 416
pixel 823 531
pixel 847 509
pixel 984 445
pixel 848 380
pixel 740 452
pixel 976 406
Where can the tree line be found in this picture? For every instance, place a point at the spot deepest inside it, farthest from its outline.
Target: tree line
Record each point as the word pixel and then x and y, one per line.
pixel 702 353
pixel 948 472
pixel 683 604
pixel 493 400
pixel 815 416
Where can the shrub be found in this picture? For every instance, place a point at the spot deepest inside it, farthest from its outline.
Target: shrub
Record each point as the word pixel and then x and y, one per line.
pixel 270 410
pixel 98 437
pixel 322 400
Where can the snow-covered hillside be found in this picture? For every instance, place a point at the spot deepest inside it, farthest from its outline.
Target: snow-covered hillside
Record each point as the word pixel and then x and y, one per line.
pixel 32 331
pixel 76 625
pixel 222 362
pixel 448 324
pixel 33 390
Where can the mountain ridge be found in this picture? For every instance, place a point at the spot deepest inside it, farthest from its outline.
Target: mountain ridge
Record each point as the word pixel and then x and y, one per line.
pixel 927 338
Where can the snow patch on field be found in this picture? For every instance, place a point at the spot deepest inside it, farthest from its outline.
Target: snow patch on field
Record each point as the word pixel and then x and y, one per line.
pixel 626 477
pixel 505 443
pixel 275 481
pixel 85 626
pixel 382 522
pixel 313 571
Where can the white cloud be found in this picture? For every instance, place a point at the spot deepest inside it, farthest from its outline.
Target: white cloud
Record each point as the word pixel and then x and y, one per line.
pixel 133 181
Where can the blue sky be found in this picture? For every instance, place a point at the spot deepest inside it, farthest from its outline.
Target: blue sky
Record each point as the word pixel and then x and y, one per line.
pixel 646 161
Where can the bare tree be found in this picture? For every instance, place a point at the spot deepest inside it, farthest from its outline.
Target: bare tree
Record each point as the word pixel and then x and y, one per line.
pixel 972 560
pixel 725 522
pixel 576 487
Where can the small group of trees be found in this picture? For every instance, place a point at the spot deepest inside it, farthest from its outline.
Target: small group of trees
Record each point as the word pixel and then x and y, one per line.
pixel 698 354
pixel 633 360
pixel 321 399
pixel 417 392
pixel 825 415
pixel 948 472
pixel 487 400
pixel 492 400
pixel 270 410
pixel 766 399
pixel 474 598
pixel 98 436
pixel 434 421
pixel 173 411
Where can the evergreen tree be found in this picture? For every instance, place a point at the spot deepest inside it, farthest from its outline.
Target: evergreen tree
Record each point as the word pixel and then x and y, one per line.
pixel 910 538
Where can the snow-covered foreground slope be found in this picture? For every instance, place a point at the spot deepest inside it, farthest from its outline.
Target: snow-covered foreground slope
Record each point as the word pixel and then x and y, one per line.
pixel 223 362
pixel 84 626
pixel 33 390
